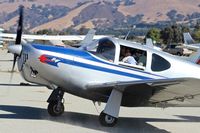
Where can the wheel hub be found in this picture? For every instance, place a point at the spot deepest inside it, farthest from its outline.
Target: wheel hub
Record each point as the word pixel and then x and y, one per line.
pixel 109 119
pixel 57 109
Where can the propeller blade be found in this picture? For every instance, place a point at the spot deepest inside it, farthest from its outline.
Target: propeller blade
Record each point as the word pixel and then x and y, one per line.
pixel 5 60
pixel 20 26
pixel 14 62
pixel 21 84
pixel 13 67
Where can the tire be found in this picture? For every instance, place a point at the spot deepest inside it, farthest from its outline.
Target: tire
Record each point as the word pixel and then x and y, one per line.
pixel 107 120
pixel 53 110
pixel 179 54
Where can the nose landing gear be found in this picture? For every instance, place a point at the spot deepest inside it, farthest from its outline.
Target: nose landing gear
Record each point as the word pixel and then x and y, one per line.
pixel 56 104
pixel 55 108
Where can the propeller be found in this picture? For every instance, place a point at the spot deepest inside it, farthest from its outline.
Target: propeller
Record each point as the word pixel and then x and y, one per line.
pixel 16 50
pixel 17 47
pixel 20 26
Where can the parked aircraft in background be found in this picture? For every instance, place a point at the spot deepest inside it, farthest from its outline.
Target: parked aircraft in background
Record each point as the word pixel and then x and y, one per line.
pixel 195 58
pixel 189 42
pixel 53 39
pixel 1 41
pixel 96 71
pixel 50 37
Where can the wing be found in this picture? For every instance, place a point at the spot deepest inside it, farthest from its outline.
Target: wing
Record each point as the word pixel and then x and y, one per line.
pixel 49 37
pixel 163 92
pixel 122 85
pixel 186 93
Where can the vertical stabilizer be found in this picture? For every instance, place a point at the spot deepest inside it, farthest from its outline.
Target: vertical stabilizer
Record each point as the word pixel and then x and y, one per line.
pixel 1 39
pixel 188 38
pixel 149 42
pixel 88 38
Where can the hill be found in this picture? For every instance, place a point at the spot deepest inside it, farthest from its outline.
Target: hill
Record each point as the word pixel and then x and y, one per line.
pixel 60 14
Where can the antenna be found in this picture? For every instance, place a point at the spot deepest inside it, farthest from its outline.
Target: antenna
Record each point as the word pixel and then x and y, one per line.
pixel 134 26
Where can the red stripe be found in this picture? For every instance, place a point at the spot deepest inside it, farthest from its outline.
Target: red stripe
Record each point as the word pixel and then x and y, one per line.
pixel 198 62
pixel 43 58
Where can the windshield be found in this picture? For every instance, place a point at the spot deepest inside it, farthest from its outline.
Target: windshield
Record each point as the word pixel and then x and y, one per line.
pixel 103 48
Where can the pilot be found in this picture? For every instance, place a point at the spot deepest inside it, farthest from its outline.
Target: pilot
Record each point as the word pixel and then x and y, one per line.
pixel 129 58
pixel 137 55
pixel 142 59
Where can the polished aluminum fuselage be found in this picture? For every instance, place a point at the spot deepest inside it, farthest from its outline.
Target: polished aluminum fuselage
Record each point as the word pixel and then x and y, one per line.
pixel 74 69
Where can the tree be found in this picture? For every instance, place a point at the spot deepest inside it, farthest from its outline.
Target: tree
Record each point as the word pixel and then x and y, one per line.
pixel 44 32
pixel 167 35
pixel 185 29
pixel 172 34
pixel 197 26
pixel 83 30
pixel 177 34
pixel 154 34
pixel 196 35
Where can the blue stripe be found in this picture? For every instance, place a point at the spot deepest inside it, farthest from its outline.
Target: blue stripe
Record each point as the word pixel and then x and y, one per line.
pixel 67 51
pixel 98 68
pixel 83 54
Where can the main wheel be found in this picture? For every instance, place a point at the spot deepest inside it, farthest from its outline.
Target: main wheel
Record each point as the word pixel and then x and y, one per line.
pixel 107 120
pixel 55 109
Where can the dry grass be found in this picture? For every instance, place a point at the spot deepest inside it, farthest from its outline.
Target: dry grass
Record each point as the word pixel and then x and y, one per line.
pixel 63 22
pixel 151 8
pixel 9 23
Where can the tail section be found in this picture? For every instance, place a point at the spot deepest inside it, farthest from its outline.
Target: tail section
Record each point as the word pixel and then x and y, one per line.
pixel 88 38
pixel 1 39
pixel 188 38
pixel 149 42
pixel 195 58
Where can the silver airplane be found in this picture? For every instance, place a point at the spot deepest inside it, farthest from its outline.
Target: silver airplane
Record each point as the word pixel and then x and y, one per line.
pixel 96 71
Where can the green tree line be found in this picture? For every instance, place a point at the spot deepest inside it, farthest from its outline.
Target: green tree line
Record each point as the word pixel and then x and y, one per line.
pixel 173 34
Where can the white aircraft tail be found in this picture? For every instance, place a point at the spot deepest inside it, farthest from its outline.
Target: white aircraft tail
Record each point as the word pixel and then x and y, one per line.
pixel 1 39
pixel 149 42
pixel 88 38
pixel 188 38
pixel 195 58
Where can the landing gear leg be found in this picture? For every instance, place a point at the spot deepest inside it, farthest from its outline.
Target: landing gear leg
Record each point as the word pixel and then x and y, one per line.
pixel 109 115
pixel 56 106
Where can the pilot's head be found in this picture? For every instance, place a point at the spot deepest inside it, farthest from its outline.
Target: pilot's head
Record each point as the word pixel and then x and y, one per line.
pixel 128 52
